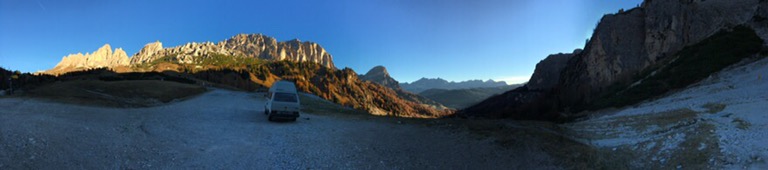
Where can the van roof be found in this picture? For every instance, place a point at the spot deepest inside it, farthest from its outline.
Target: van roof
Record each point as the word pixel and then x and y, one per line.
pixel 283 86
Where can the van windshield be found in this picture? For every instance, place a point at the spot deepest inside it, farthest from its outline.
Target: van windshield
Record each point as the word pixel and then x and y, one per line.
pixel 285 97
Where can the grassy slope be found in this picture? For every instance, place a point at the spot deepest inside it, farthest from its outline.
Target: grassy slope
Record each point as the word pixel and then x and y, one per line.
pixel 134 93
pixel 339 86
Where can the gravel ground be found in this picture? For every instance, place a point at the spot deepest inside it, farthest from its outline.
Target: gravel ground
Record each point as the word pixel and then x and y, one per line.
pixel 227 130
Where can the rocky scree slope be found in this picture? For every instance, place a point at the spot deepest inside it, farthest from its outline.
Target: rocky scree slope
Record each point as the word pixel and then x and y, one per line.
pixel 622 46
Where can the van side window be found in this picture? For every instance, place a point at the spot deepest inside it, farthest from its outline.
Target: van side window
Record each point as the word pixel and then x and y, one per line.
pixel 285 97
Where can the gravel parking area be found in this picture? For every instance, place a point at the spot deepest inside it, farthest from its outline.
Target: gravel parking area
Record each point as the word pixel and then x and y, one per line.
pixel 223 129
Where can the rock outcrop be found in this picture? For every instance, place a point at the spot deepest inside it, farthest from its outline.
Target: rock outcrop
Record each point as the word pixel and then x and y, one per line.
pixel 258 45
pixel 147 53
pixel 625 43
pixel 243 45
pixel 523 101
pixel 547 73
pixel 621 47
pixel 379 75
pixel 102 57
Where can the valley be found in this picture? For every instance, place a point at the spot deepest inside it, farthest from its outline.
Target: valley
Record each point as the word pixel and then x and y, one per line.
pixel 663 84
pixel 717 123
pixel 462 98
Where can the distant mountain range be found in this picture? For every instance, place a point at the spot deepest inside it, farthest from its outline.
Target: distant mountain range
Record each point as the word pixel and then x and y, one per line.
pixel 251 62
pixel 462 98
pixel 423 84
pixel 441 92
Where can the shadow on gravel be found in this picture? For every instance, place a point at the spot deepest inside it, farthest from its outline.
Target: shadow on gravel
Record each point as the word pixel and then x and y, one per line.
pixel 283 121
pixel 262 118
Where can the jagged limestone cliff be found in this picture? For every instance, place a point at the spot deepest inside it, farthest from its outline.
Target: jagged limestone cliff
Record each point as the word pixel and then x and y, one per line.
pixel 621 47
pixel 242 45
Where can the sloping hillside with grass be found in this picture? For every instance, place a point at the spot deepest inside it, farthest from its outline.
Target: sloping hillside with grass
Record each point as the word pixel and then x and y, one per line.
pixel 135 93
pixel 339 86
pixel 694 63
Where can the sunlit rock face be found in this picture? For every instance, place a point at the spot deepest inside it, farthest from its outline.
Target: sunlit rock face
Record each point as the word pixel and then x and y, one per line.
pixel 147 53
pixel 242 45
pixel 261 46
pixel 102 57
pixel 380 75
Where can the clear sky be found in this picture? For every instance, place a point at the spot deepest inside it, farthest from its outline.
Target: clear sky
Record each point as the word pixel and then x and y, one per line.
pixel 453 39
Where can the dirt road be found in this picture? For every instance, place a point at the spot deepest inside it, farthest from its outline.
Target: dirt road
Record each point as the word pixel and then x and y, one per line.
pixel 224 129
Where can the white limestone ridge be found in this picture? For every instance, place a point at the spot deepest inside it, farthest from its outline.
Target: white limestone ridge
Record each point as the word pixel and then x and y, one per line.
pixel 102 57
pixel 242 45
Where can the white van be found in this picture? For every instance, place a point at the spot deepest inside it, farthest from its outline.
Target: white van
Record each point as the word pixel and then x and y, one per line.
pixel 282 101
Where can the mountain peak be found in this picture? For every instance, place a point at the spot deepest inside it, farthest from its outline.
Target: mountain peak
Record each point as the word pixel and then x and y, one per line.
pixel 380 75
pixel 378 70
pixel 105 47
pixel 424 79
pixel 244 36
pixel 147 53
pixel 547 72
pixel 102 57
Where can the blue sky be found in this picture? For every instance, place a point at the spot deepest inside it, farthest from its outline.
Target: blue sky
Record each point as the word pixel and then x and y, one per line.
pixel 453 39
